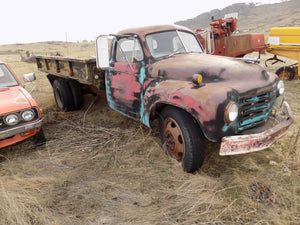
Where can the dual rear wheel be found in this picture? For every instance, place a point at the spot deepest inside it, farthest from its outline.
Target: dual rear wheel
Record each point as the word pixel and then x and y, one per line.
pixel 68 94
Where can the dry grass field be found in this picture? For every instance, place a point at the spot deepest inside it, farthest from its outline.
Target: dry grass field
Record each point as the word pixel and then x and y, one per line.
pixel 99 167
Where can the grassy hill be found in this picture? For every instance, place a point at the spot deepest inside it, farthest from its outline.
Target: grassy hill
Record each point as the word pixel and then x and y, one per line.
pixel 255 18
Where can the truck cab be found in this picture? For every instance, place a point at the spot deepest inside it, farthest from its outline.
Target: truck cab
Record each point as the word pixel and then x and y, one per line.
pixel 162 72
pixel 20 116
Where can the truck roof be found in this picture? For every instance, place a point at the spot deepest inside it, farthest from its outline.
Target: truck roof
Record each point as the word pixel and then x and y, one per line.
pixel 142 31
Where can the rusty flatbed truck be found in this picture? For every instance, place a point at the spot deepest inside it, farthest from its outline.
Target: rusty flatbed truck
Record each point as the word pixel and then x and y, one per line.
pixel 161 72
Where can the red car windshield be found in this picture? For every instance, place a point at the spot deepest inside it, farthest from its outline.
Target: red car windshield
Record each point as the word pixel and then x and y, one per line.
pixel 7 79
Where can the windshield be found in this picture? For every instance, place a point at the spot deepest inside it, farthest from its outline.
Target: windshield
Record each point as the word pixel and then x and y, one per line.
pixel 172 42
pixel 7 79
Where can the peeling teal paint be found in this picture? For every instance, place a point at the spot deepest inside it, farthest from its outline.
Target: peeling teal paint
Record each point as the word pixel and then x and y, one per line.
pixel 262 108
pixel 253 120
pixel 225 127
pixel 111 103
pixel 256 110
pixel 144 119
pixel 281 102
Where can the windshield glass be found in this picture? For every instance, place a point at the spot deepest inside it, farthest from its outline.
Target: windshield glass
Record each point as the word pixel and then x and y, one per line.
pixel 172 42
pixel 7 79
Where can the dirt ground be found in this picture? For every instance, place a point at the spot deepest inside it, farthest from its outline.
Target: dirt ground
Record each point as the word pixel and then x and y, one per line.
pixel 99 167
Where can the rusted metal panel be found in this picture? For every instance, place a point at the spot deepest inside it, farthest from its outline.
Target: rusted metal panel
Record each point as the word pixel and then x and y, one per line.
pixel 205 105
pixel 79 69
pixel 227 71
pixel 83 70
pixel 222 83
pixel 241 45
pixel 143 31
pixel 65 68
pixel 221 41
pixel 125 89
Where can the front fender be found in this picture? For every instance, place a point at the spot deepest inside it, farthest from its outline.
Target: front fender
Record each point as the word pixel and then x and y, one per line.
pixel 205 103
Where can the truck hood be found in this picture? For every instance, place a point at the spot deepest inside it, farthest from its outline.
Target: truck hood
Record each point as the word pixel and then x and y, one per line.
pixel 224 71
pixel 13 99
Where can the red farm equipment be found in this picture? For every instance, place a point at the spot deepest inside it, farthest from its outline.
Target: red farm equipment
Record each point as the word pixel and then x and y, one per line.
pixel 222 40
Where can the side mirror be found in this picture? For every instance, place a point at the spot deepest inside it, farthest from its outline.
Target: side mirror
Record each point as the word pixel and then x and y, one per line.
pixel 102 52
pixel 29 77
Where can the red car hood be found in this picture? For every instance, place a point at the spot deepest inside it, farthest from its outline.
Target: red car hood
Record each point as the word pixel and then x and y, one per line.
pixel 14 99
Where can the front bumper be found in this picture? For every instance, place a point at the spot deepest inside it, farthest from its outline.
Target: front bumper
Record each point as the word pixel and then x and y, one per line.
pixel 21 129
pixel 273 130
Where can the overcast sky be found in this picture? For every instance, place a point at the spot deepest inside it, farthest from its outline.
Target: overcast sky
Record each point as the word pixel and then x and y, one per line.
pixel 24 21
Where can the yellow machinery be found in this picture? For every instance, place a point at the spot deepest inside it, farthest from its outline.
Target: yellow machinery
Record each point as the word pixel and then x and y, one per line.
pixel 285 42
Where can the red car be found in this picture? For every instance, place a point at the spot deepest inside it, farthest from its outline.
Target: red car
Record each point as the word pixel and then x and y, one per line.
pixel 20 116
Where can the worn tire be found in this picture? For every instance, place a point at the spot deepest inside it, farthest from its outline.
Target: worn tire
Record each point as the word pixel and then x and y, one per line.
pixel 63 95
pixel 285 73
pixel 182 138
pixel 39 139
pixel 77 95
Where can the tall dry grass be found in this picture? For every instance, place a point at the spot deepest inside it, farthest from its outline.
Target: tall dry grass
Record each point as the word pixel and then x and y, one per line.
pixel 21 201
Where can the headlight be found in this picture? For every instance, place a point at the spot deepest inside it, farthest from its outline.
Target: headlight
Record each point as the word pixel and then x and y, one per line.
pixel 27 115
pixel 11 119
pixel 280 87
pixel 231 112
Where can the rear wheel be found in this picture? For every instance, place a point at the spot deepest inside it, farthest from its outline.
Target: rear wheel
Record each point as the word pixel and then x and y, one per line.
pixel 182 138
pixel 285 73
pixel 63 95
pixel 76 90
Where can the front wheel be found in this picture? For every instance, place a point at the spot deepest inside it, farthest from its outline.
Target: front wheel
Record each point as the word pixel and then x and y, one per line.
pixel 182 138
pixel 39 139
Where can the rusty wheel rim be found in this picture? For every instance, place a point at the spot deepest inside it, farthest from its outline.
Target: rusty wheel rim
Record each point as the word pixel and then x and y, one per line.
pixel 173 139
pixel 284 75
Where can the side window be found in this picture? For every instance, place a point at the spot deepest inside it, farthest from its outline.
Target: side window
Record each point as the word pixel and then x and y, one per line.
pixel 129 49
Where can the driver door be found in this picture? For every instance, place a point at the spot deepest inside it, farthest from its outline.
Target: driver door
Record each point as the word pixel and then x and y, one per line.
pixel 124 81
